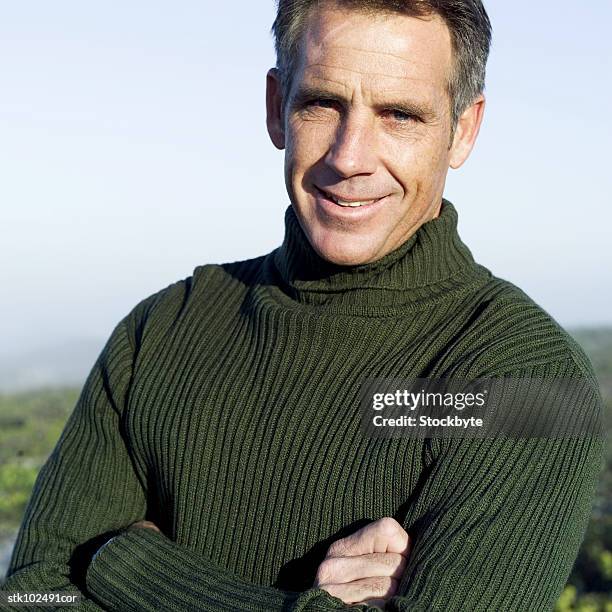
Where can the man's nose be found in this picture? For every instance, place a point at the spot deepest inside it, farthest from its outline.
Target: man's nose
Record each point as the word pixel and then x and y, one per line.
pixel 353 150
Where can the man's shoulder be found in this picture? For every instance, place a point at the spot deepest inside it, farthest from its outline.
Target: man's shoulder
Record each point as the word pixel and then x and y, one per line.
pixel 206 284
pixel 510 331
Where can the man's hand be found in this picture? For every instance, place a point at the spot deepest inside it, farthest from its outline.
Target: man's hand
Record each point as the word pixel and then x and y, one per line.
pixel 365 566
pixel 145 525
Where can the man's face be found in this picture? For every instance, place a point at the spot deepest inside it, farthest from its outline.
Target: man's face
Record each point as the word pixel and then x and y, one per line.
pixel 367 122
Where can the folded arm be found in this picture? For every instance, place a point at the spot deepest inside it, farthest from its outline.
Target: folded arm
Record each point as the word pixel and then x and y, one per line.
pixel 503 538
pixel 496 524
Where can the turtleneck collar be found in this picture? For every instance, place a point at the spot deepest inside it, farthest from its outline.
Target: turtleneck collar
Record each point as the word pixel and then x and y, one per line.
pixel 433 261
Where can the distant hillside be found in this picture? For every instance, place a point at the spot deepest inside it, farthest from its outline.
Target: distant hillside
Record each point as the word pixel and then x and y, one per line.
pixel 63 365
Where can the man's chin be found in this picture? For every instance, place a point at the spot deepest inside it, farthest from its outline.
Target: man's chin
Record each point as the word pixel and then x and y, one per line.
pixel 347 251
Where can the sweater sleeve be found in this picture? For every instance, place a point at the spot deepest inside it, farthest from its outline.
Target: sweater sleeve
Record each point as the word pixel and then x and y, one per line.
pixel 498 522
pixel 89 491
pixel 143 570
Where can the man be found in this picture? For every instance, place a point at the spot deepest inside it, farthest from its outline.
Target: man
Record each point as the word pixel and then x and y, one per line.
pixel 214 459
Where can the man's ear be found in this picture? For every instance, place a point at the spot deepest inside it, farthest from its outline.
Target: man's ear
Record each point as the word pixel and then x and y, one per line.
pixel 274 109
pixel 466 132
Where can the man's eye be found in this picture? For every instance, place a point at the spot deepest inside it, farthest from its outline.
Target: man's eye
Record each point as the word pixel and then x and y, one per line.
pixel 321 102
pixel 402 116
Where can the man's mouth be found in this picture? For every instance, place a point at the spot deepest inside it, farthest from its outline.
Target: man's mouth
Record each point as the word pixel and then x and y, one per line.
pixel 352 203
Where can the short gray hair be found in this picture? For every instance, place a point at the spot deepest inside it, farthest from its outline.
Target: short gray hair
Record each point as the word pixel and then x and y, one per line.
pixel 467 21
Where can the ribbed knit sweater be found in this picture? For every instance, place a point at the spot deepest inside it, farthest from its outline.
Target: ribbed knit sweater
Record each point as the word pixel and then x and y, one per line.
pixel 225 409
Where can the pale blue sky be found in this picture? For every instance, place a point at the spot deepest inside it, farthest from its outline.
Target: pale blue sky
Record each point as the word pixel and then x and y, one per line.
pixel 133 148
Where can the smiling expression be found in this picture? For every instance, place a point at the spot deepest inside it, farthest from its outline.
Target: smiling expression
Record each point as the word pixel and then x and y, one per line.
pixel 366 130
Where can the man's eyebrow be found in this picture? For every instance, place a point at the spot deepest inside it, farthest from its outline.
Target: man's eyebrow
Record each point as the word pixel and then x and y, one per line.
pixel 311 92
pixel 410 107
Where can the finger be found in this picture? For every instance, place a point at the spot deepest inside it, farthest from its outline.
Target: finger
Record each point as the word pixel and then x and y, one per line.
pixel 339 570
pixel 359 590
pixel 383 535
pixel 145 525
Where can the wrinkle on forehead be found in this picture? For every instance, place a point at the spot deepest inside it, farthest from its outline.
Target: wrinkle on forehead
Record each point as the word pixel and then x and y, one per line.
pixel 314 71
pixel 366 51
pixel 330 41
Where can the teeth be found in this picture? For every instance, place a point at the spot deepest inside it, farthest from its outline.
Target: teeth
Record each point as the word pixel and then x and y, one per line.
pixel 350 204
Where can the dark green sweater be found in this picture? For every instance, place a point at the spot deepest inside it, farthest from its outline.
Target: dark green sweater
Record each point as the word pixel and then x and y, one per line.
pixel 225 409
